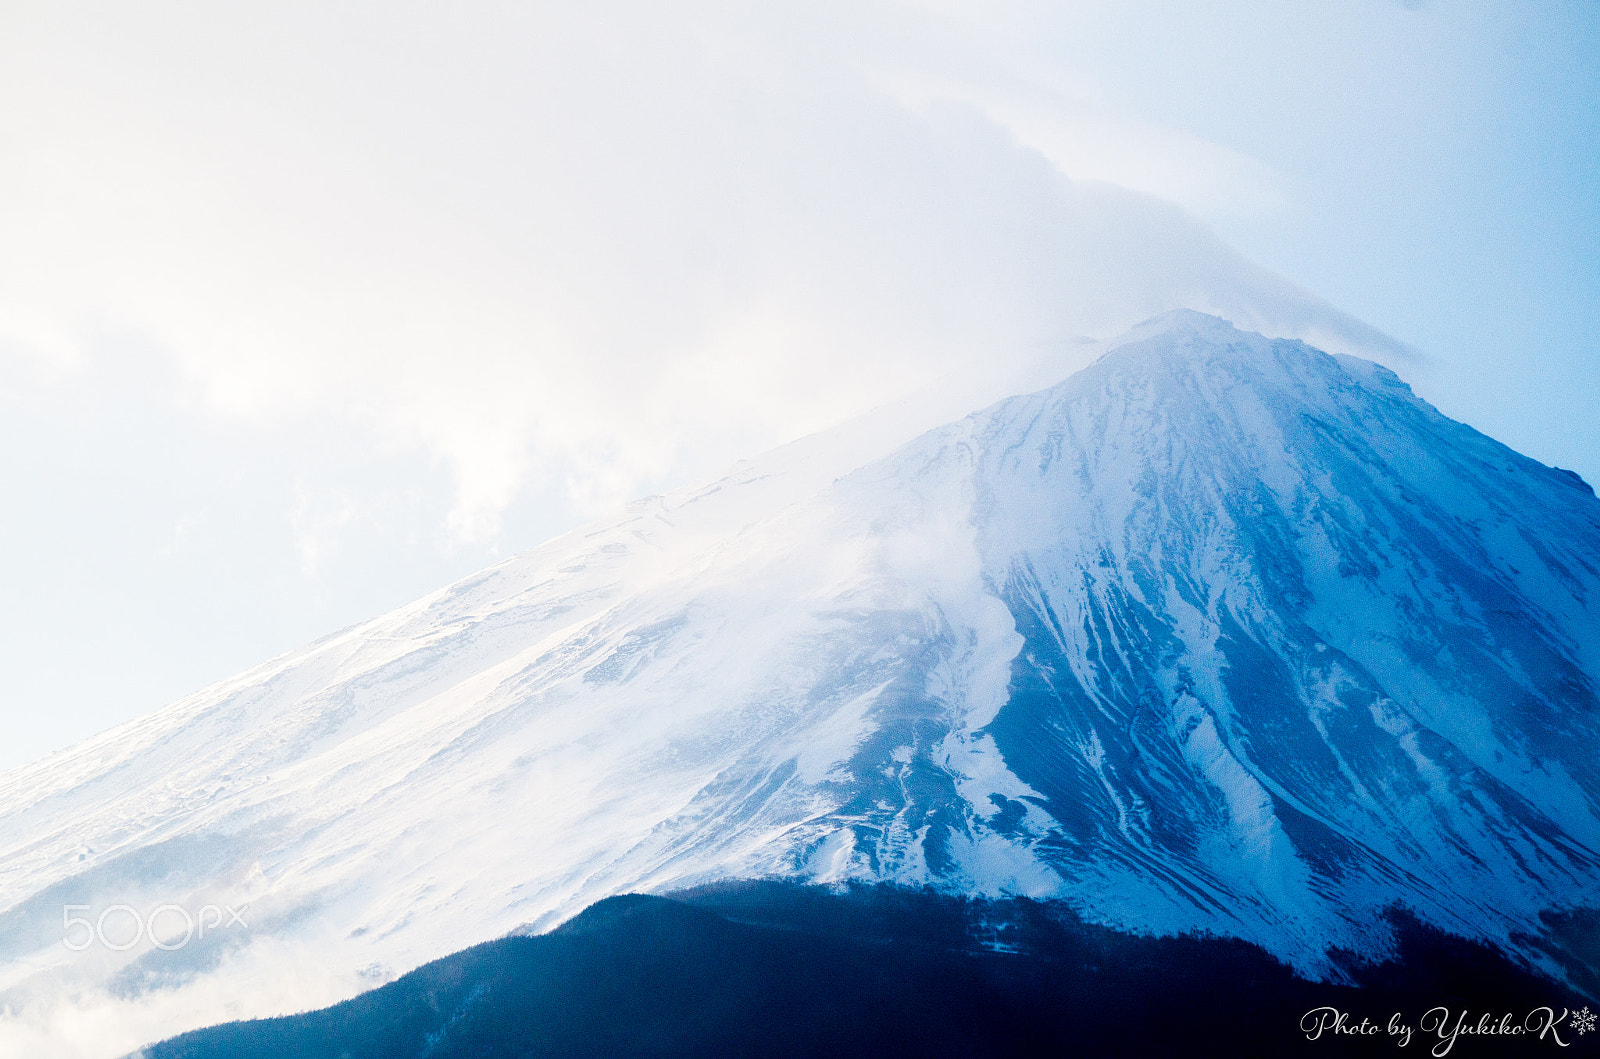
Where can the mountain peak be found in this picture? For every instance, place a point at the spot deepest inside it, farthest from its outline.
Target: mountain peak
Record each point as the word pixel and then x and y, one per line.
pixel 1179 320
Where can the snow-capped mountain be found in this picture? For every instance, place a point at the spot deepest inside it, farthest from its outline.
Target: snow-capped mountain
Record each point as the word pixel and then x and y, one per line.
pixel 1221 632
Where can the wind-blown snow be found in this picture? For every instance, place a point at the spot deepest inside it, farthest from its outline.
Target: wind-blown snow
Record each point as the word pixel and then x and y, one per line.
pixel 1220 633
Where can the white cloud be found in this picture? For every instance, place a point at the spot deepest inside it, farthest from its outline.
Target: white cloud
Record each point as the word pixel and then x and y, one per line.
pixel 362 297
pixel 587 245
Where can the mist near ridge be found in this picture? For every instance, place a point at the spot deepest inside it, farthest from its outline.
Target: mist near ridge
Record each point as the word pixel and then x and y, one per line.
pixel 304 312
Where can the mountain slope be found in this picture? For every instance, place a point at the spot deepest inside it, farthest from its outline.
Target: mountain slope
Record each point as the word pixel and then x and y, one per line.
pixel 770 969
pixel 1221 633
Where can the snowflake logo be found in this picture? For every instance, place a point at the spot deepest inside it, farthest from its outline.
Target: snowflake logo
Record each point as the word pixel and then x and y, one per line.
pixel 1583 1020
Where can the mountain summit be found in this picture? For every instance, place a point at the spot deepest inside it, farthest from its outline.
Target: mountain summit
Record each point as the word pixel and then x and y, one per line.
pixel 1220 633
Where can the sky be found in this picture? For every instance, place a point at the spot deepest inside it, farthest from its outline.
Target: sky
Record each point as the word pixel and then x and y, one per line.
pixel 307 309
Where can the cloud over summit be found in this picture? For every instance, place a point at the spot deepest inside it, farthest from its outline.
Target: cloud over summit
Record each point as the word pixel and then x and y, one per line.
pixel 589 248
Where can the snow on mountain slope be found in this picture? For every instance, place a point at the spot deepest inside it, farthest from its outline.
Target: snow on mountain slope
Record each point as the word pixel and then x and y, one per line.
pixel 1220 632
